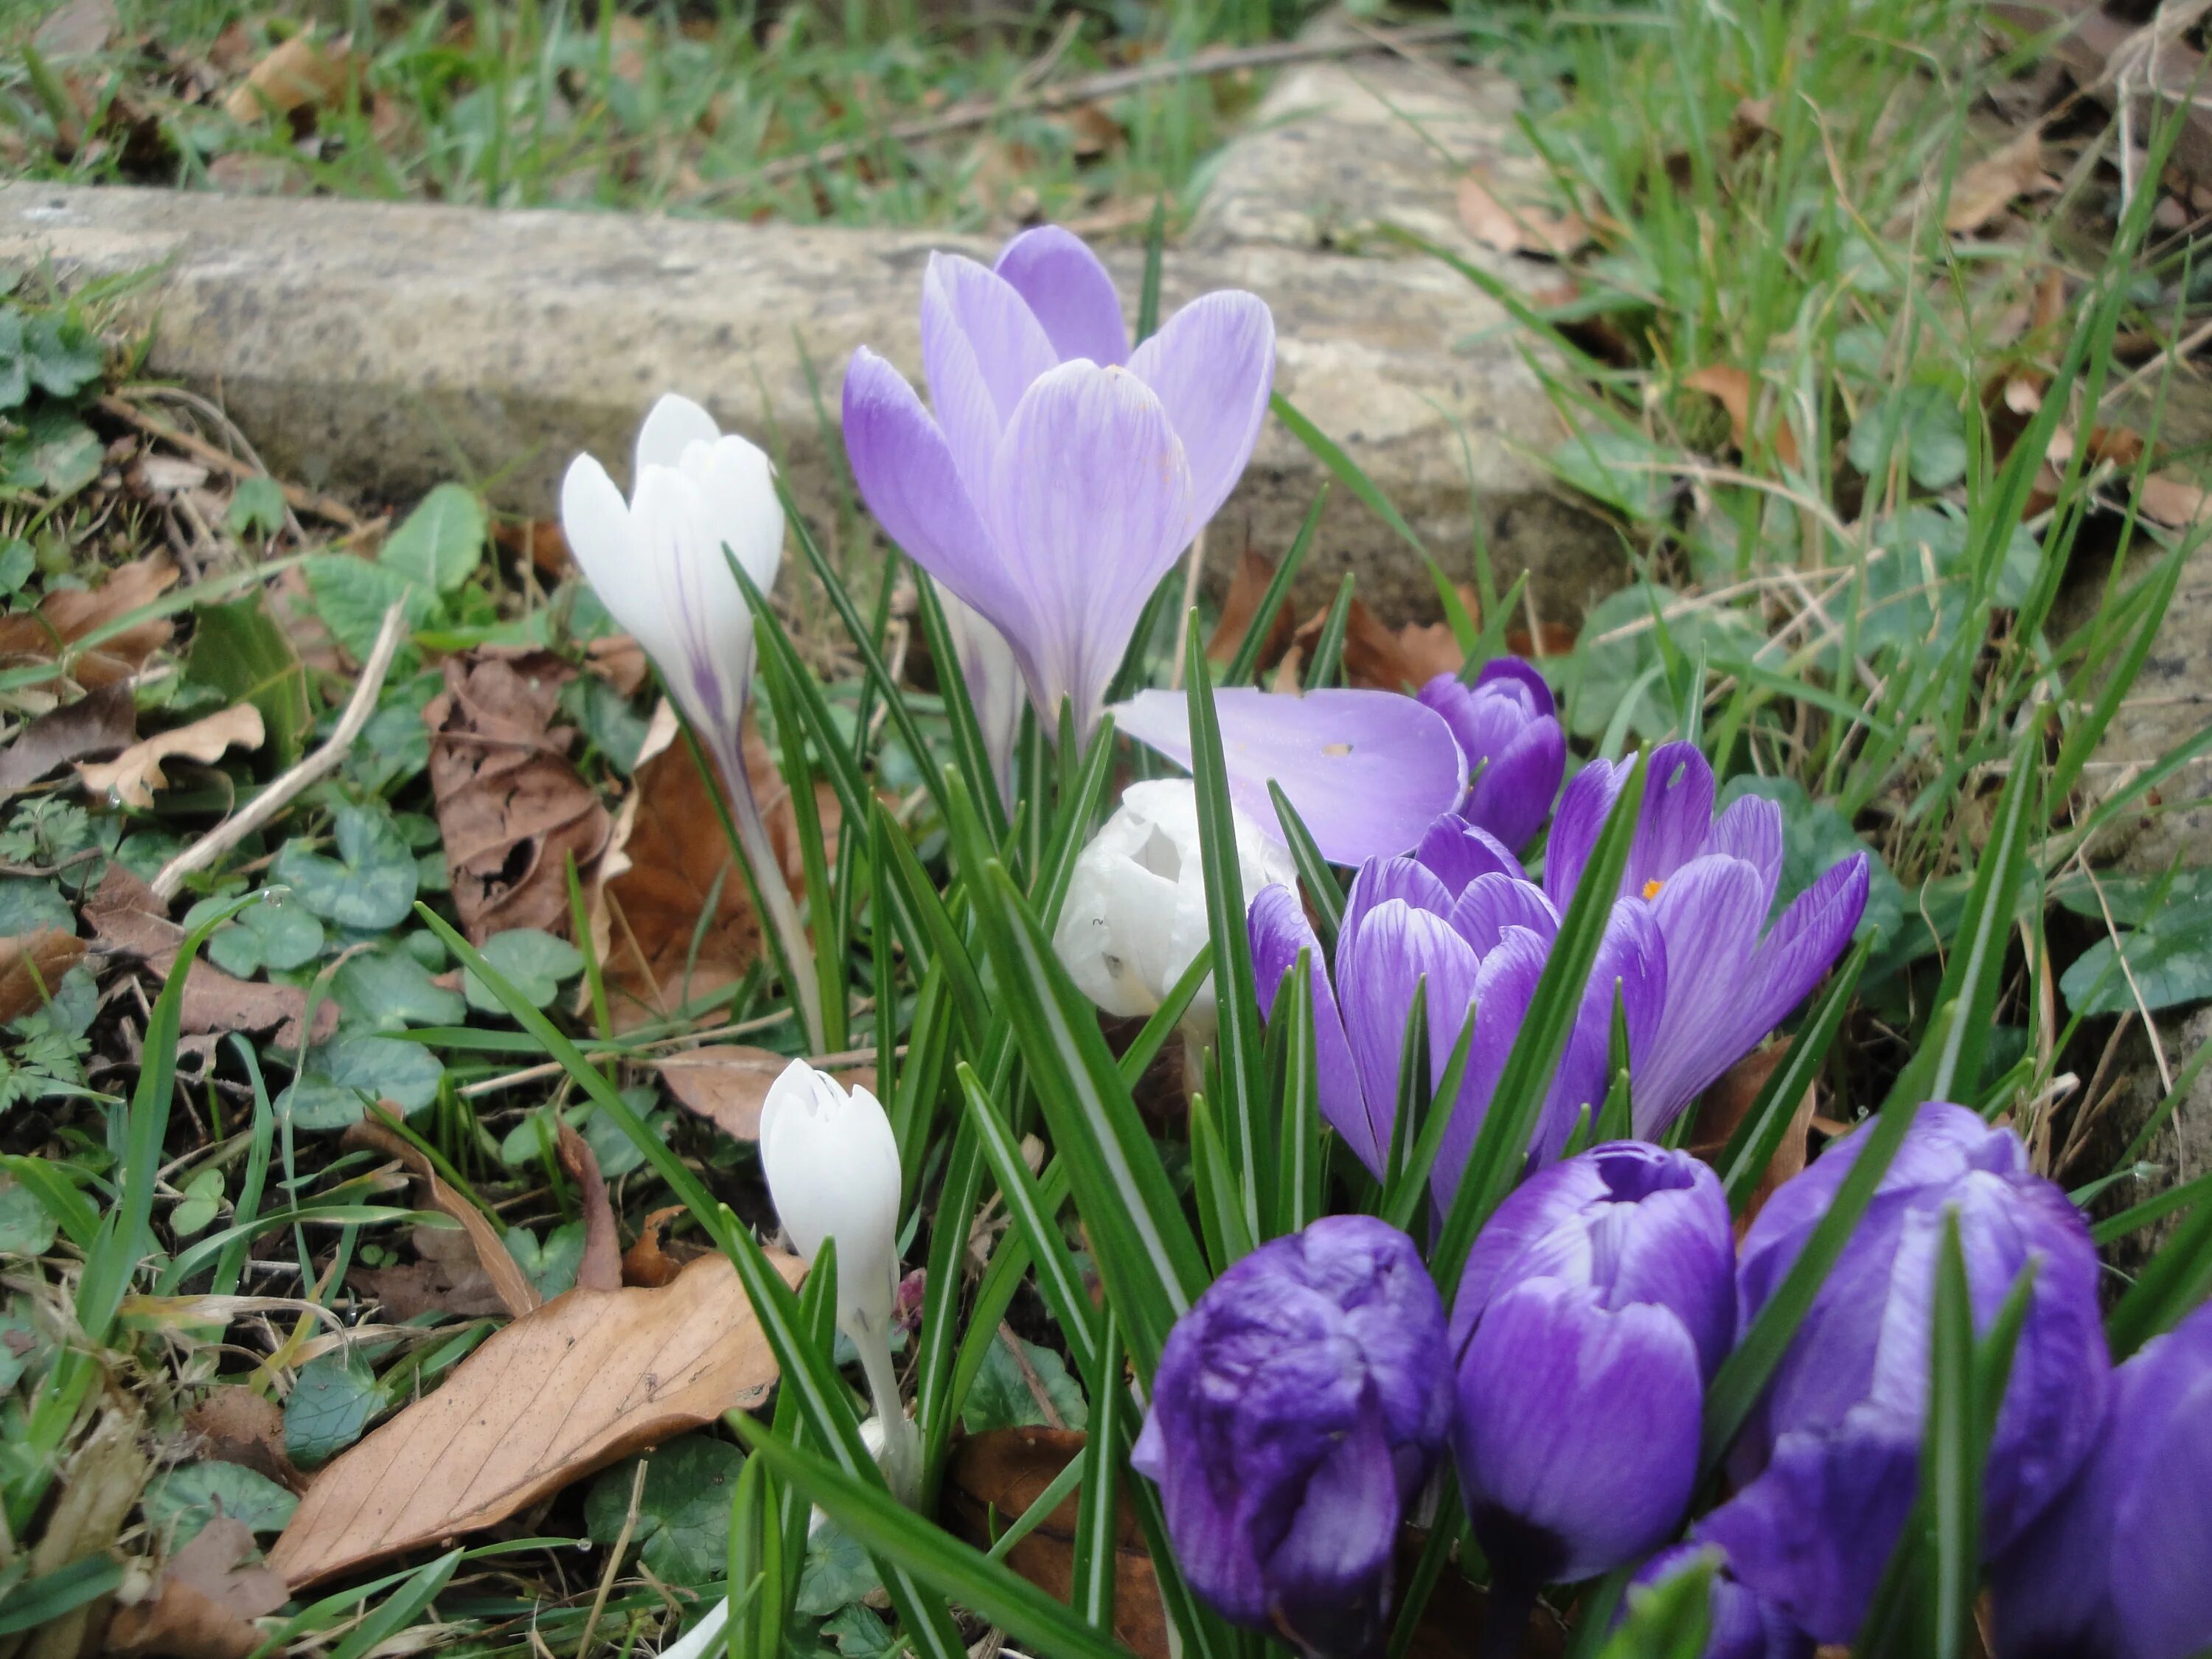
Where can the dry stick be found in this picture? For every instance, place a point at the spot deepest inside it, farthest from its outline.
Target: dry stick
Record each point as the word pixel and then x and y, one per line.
pixel 279 795
pixel 615 1556
pixel 1110 84
pixel 215 456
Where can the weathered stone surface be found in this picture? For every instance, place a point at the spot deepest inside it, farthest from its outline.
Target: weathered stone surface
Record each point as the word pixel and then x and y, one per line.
pixel 382 347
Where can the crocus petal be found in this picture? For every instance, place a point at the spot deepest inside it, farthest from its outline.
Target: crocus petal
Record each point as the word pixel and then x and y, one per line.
pixel 1212 365
pixel 1089 495
pixel 1806 940
pixel 709 664
pixel 1059 278
pixel 1505 985
pixel 1278 930
pixel 1458 851
pixel 743 513
pixel 672 425
pixel 1577 1430
pixel 906 474
pixel 1583 808
pixel 596 521
pixel 982 351
pixel 1491 904
pixel 1513 796
pixel 1379 880
pixel 832 1165
pixel 1380 966
pixel 1631 970
pixel 1676 818
pixel 1710 915
pixel 1332 1564
pixel 993 677
pixel 1368 772
pixel 1513 668
pixel 1750 829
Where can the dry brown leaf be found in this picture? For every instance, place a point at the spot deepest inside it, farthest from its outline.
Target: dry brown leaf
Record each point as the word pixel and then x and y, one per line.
pixel 132 776
pixel 31 969
pixel 2174 502
pixel 67 617
pixel 620 661
pixel 1729 1101
pixel 655 1260
pixel 1512 229
pixel 1007 1470
pixel 1381 659
pixel 80 27
pixel 204 1603
pixel 298 74
pixel 1733 387
pixel 601 1267
pixel 1240 605
pixel 98 723
pixel 1993 184
pixel 445 1277
pixel 727 1084
pixel 126 917
pixel 588 1378
pixel 537 543
pixel 512 808
pixel 512 1285
pixel 235 1425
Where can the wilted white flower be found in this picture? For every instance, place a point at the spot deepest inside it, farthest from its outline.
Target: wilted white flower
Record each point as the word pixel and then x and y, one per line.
pixel 833 1170
pixel 657 563
pixel 1135 914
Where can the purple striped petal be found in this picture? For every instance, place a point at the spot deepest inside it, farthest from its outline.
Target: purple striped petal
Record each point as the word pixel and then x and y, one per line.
pixel 1750 829
pixel 1382 879
pixel 1212 365
pixel 1516 751
pixel 1458 851
pixel 1631 968
pixel 1583 808
pixel 1278 930
pixel 1505 986
pixel 1493 903
pixel 1710 915
pixel 1367 771
pixel 1513 796
pixel 1089 497
pixel 1806 940
pixel 1514 668
pixel 1677 816
pixel 1059 278
pixel 982 351
pixel 1380 965
pixel 906 473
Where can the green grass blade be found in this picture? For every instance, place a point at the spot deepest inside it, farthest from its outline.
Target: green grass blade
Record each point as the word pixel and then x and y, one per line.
pixel 1222 1220
pixel 1097 1554
pixel 969 752
pixel 1246 659
pixel 1300 1167
pixel 1974 974
pixel 1034 1204
pixel 2177 1278
pixel 1402 1200
pixel 1323 891
pixel 1328 647
pixel 1145 1047
pixel 397 1610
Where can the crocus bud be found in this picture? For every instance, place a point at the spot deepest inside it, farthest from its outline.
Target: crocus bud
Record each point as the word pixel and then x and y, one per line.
pixel 1742 1626
pixel 1298 1406
pixel 833 1171
pixel 1591 1310
pixel 2115 1568
pixel 1831 1458
pixel 1509 728
pixel 1135 914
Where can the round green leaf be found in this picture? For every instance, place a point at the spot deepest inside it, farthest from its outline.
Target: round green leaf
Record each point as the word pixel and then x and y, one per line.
pixel 25 1229
pixel 369 884
pixel 534 962
pixel 2169 957
pixel 330 1405
pixel 340 1073
pixel 181 1501
pixel 683 1529
pixel 388 990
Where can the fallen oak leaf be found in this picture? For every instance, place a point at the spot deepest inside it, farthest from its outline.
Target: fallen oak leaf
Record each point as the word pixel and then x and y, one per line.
pixel 511 1285
pixel 727 1084
pixel 132 776
pixel 98 723
pixel 579 1383
pixel 1733 387
pixel 1512 230
pixel 31 969
pixel 601 1268
pixel 205 1601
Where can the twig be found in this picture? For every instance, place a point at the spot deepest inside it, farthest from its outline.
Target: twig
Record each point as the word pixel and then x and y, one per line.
pixel 614 1557
pixel 215 456
pixel 1110 84
pixel 278 795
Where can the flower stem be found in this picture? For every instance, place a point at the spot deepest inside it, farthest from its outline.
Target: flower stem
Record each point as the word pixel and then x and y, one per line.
pixel 901 1445
pixel 782 914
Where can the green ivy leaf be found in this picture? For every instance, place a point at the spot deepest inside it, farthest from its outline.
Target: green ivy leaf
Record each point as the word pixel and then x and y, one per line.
pixel 837 1574
pixel 369 885
pixel 54 452
pixel 61 354
pixel 256 507
pixel 330 1403
pixel 15 362
pixel 202 1203
pixel 351 596
pixel 18 559
pixel 329 1094
pixel 1931 435
pixel 181 1501
pixel 239 652
pixel 2170 957
pixel 1815 837
pixel 388 990
pixel 280 932
pixel 1002 1398
pixel 535 961
pixel 441 542
pixel 683 1529
pixel 552 1267
pixel 859 1633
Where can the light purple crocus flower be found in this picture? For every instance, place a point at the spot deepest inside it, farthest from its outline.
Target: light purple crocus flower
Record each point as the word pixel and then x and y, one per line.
pixel 1508 724
pixel 1298 1407
pixel 1591 1314
pixel 1061 472
pixel 1709 883
pixel 1459 915
pixel 1830 1460
pixel 1367 772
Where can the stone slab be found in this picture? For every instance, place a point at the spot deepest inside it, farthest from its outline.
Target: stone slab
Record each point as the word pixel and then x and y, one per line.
pixel 381 347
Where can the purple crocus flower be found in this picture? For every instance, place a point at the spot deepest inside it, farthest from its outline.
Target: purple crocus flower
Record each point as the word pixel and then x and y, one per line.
pixel 1367 772
pixel 1460 914
pixel 1061 472
pixel 1709 885
pixel 1509 726
pixel 1298 1406
pixel 1830 1457
pixel 2115 1569
pixel 1592 1311
pixel 1742 1626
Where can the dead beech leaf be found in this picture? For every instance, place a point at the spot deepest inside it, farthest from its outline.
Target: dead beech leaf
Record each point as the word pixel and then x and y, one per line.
pixel 98 723
pixel 298 74
pixel 1240 605
pixel 1993 184
pixel 2174 502
pixel 727 1084
pixel 31 969
pixel 619 661
pixel 1729 1101
pixel 235 1425
pixel 512 807
pixel 1380 658
pixel 654 1258
pixel 205 1601
pixel 512 1285
pixel 601 1267
pixel 1734 387
pixel 1513 229
pixel 1007 1470
pixel 65 617
pixel 584 1380
pixel 132 776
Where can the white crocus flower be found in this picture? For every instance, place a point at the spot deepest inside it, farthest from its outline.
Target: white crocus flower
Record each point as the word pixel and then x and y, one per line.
pixel 833 1170
pixel 1135 914
pixel 657 563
